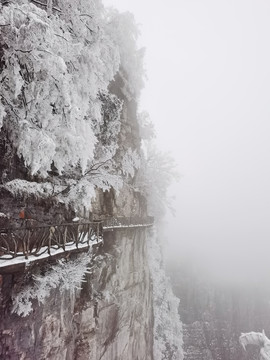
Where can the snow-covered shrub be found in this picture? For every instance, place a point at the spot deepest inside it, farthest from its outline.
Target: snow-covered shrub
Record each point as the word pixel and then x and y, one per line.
pixel 125 32
pixel 66 275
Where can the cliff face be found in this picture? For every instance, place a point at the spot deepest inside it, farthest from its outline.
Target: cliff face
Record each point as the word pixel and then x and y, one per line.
pixel 215 315
pixel 72 148
pixel 109 318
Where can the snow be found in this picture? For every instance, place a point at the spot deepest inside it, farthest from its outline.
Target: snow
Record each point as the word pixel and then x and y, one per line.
pixel 19 187
pixel 43 254
pixel 126 226
pixel 131 161
pixel 66 275
pixel 257 339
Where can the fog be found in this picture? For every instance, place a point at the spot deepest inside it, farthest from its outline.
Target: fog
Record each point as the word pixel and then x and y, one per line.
pixel 208 93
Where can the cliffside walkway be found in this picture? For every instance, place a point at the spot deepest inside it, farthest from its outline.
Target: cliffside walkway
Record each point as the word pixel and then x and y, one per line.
pixel 26 243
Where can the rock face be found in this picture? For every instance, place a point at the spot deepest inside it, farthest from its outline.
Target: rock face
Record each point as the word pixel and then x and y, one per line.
pixel 110 315
pixel 109 318
pixel 214 315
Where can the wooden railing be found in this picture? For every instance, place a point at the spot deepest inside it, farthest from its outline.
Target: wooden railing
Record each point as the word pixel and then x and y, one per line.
pixel 37 240
pixel 28 240
pixel 126 222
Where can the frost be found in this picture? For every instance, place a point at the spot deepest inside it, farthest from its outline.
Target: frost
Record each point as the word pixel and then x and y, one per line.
pixel 66 275
pixel 27 188
pixel 130 162
pixel 257 339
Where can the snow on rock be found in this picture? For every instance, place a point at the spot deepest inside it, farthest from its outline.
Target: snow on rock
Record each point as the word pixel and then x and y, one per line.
pixel 258 339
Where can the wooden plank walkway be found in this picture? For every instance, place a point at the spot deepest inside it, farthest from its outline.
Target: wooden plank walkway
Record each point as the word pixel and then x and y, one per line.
pixel 30 243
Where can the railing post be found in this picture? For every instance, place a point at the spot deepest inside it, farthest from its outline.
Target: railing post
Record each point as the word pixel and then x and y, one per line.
pixel 65 238
pixel 26 243
pixel 14 242
pixel 89 235
pixel 98 231
pixel 77 235
pixel 51 232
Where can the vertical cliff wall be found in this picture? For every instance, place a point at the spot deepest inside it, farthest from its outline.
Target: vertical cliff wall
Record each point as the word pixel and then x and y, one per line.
pixel 70 145
pixel 111 317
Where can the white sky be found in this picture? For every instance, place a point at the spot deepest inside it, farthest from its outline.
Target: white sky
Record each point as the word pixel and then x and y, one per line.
pixel 208 93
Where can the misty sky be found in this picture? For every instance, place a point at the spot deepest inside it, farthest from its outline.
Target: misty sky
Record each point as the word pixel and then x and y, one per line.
pixel 208 93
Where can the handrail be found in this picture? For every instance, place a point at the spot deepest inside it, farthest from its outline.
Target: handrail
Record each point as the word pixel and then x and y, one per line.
pixel 37 240
pixel 45 226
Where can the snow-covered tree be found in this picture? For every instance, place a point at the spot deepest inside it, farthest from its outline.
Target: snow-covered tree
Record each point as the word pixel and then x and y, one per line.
pixel 131 161
pixel 50 87
pixel 124 32
pixel 55 106
pixel 157 172
pixel 147 128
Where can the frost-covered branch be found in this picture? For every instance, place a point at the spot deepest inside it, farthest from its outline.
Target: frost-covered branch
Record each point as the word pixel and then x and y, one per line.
pixel 66 275
pixel 54 100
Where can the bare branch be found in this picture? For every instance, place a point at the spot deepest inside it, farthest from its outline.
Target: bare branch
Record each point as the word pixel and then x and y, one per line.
pixel 61 37
pixel 23 51
pixel 44 5
pixel 96 167
pixel 87 15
